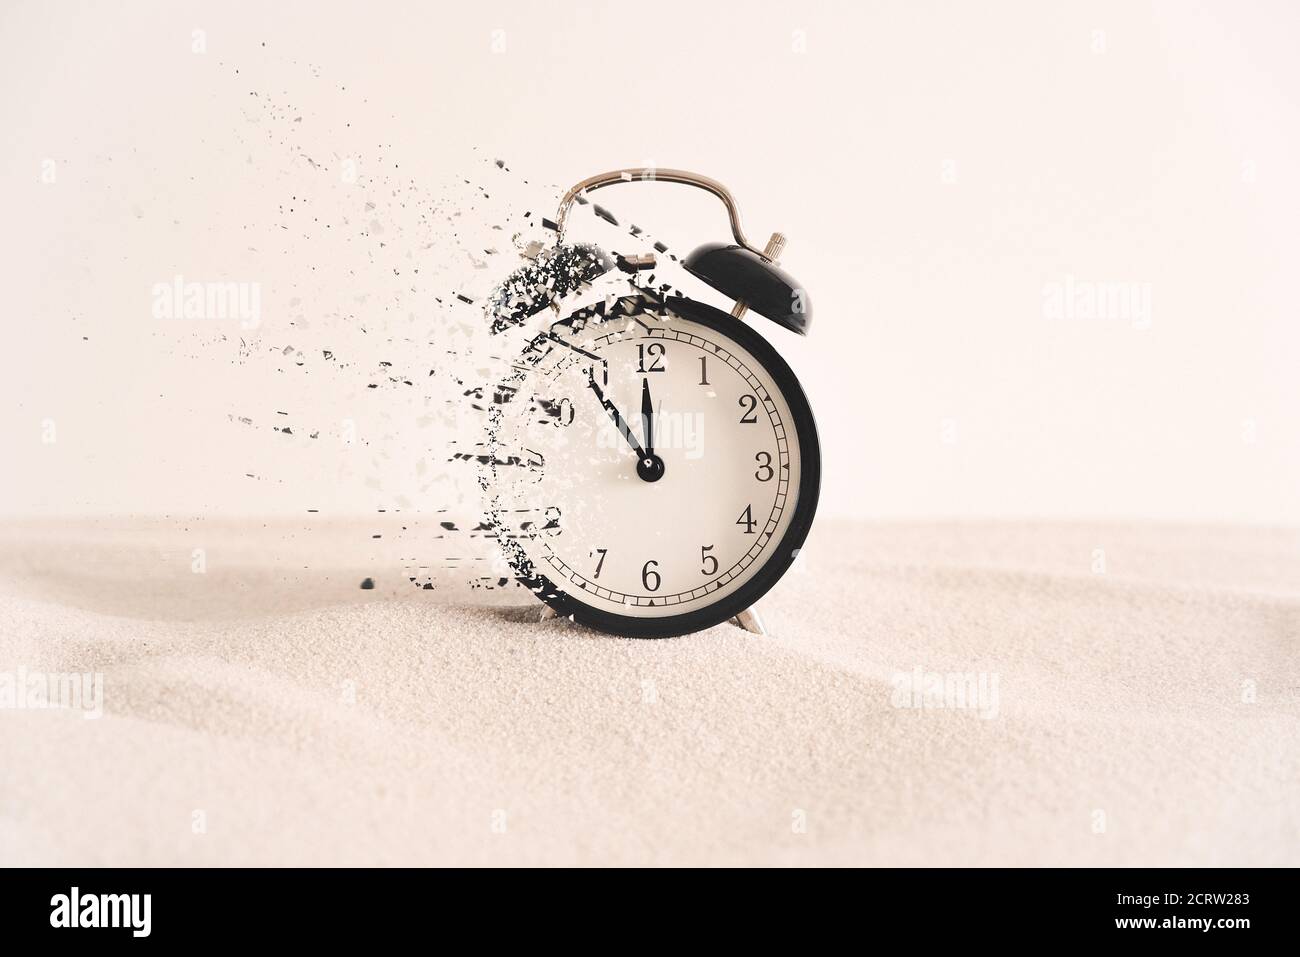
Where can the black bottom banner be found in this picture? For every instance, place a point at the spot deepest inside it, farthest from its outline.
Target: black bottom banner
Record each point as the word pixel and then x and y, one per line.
pixel 1170 908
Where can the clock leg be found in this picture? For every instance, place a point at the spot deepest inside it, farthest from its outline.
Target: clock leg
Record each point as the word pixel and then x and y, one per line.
pixel 750 620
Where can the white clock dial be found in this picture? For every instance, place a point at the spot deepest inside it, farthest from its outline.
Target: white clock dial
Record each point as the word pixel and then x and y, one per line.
pixel 635 515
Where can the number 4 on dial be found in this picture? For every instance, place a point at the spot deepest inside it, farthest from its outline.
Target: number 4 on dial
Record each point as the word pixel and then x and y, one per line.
pixel 747 519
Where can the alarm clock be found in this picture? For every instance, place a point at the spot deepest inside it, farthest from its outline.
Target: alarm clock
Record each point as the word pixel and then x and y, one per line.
pixel 653 465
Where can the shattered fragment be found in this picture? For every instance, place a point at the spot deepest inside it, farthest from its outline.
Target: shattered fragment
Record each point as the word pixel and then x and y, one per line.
pixel 554 274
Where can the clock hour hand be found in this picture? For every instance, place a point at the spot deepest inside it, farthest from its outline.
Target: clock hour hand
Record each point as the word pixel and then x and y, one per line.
pixel 649 467
pixel 619 422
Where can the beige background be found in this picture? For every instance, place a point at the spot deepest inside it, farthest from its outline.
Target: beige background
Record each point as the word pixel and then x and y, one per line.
pixel 934 165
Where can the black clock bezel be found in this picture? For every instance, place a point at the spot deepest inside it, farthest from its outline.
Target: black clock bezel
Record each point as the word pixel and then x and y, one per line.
pixel 782 553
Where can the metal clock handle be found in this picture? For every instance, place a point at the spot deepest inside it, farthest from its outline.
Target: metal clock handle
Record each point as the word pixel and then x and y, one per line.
pixel 651 174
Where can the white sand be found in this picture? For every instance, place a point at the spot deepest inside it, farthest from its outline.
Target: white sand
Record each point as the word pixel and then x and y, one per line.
pixel 228 693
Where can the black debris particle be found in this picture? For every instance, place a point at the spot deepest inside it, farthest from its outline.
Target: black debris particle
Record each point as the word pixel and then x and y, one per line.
pixel 401 219
pixel 554 274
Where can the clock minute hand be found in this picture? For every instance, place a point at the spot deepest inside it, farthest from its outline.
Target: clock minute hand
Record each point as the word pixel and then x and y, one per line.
pixel 647 418
pixel 614 414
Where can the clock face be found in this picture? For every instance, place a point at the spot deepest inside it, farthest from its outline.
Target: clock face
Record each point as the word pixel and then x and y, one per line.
pixel 654 466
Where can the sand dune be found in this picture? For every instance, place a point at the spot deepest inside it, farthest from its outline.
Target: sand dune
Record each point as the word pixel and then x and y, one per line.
pixel 270 711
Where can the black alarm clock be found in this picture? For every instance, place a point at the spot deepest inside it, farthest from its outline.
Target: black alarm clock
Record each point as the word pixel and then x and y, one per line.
pixel 653 466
